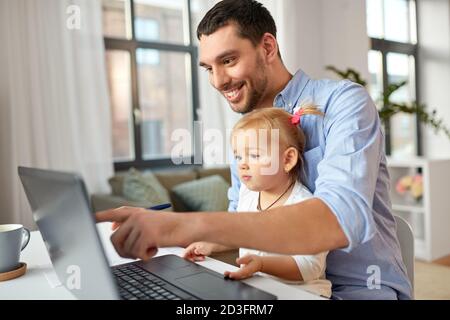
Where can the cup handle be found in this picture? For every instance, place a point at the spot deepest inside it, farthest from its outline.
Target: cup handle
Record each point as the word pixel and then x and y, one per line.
pixel 26 238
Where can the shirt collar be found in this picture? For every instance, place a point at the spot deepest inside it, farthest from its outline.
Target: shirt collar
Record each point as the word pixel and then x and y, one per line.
pixel 287 99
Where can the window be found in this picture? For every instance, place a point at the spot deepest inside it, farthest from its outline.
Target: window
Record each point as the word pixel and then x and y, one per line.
pixel 392 28
pixel 151 65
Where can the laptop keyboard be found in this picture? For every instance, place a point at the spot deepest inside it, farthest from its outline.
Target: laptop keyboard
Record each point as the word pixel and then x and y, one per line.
pixel 138 284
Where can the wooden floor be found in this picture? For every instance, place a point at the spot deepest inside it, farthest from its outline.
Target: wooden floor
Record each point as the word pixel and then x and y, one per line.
pixel 445 261
pixel 431 281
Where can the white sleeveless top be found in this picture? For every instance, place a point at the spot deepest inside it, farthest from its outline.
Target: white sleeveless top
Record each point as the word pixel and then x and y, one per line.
pixel 312 267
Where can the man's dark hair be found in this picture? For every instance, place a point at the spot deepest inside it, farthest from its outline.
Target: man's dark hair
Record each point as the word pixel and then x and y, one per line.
pixel 251 17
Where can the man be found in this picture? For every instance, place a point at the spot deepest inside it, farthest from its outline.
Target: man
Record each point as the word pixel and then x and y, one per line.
pixel 345 167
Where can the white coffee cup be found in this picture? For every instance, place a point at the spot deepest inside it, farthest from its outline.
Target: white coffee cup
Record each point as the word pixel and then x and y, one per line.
pixel 13 239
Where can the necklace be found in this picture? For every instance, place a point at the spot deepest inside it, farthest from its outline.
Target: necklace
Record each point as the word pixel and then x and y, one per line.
pixel 259 198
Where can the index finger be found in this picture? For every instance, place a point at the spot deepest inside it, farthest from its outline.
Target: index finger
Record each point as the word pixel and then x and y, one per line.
pixel 113 215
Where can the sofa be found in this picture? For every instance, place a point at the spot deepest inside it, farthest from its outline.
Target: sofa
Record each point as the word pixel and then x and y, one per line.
pixel 180 185
pixel 169 179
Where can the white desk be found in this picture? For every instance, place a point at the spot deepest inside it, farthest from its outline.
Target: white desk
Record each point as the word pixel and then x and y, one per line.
pixel 40 283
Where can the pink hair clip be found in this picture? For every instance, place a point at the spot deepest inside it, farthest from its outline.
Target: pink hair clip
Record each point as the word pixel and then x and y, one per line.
pixel 295 120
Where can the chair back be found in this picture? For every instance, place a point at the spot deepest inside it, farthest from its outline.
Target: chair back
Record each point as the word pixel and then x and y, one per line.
pixel 406 238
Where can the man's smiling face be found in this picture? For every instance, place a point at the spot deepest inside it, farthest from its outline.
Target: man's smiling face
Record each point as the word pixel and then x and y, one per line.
pixel 236 68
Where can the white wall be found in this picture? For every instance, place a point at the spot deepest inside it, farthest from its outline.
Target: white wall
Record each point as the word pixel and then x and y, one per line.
pixel 344 35
pixel 434 59
pixel 317 33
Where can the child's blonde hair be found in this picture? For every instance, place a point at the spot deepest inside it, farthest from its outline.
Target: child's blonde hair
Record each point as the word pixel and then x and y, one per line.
pixel 290 133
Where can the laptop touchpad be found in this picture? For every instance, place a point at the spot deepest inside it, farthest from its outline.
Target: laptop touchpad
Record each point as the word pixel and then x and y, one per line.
pixel 209 286
pixel 173 262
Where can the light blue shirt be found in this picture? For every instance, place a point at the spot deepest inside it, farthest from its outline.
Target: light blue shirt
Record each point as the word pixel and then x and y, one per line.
pixel 345 167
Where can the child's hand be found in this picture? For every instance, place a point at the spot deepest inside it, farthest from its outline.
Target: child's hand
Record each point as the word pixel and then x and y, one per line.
pixel 250 264
pixel 197 251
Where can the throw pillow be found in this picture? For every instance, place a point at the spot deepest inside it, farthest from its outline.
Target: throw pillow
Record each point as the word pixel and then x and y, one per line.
pixel 144 188
pixel 116 183
pixel 207 194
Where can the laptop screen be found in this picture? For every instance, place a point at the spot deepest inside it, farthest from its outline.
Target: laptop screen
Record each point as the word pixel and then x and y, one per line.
pixel 61 210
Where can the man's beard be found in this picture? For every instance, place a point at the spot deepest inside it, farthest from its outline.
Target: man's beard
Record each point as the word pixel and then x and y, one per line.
pixel 260 86
pixel 255 97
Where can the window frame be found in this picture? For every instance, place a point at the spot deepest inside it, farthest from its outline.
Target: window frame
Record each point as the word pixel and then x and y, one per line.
pixel 131 46
pixel 388 46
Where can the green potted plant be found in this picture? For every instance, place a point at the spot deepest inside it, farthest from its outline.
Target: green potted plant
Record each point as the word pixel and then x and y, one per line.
pixel 390 108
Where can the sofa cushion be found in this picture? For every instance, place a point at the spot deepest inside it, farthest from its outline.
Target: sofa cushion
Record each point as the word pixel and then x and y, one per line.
pixel 144 188
pixel 223 172
pixel 116 183
pixel 171 178
pixel 207 194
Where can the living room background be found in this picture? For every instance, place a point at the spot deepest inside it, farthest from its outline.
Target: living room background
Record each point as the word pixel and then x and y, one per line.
pixel 56 102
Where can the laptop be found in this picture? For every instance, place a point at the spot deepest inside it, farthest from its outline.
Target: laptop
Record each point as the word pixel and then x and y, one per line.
pixel 61 209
